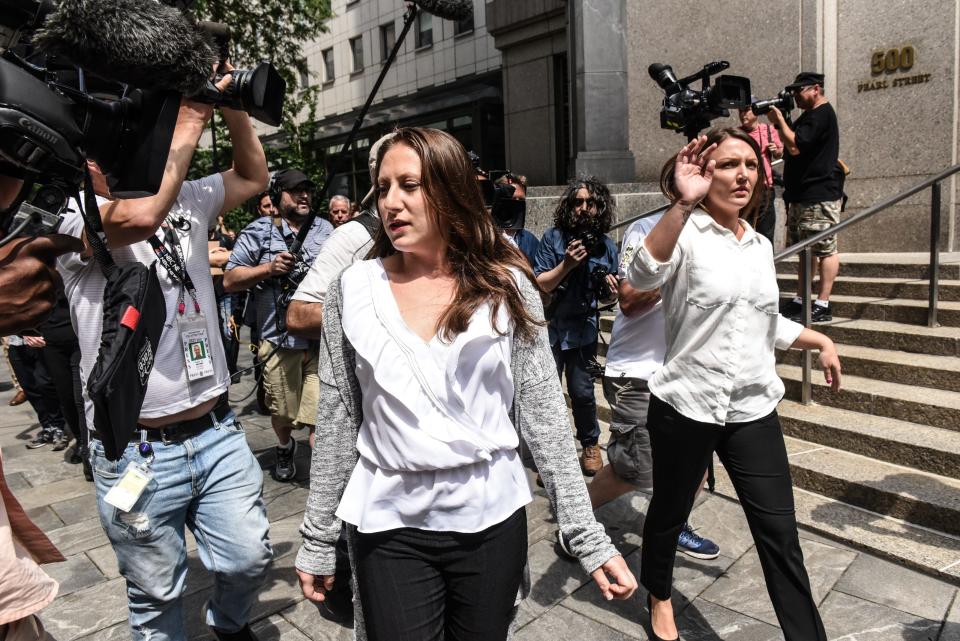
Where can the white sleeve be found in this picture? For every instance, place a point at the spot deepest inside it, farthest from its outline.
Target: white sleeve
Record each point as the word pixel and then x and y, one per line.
pixel 646 272
pixel 72 225
pixel 346 245
pixel 201 199
pixel 788 332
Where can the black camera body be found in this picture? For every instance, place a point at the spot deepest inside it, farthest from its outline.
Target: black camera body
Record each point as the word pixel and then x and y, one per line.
pixel 507 212
pixel 598 282
pixel 784 102
pixel 687 110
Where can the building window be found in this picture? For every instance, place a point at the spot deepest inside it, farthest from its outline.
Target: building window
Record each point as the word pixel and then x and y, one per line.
pixel 356 49
pixel 463 26
pixel 388 38
pixel 423 31
pixel 304 75
pixel 328 70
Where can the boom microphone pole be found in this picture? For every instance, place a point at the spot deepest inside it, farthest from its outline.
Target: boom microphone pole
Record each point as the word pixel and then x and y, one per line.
pixel 448 9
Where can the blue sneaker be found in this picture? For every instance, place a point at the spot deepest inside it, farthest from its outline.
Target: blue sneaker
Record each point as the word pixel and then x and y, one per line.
pixel 696 546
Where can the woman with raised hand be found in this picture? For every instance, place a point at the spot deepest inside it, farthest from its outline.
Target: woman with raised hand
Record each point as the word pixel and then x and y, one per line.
pixel 434 361
pixel 718 388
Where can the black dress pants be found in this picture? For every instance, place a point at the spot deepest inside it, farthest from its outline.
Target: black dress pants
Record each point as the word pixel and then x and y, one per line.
pixel 35 381
pixel 755 457
pixel 63 364
pixel 418 585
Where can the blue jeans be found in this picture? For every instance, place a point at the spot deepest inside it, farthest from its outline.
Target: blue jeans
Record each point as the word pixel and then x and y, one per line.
pixel 573 361
pixel 212 484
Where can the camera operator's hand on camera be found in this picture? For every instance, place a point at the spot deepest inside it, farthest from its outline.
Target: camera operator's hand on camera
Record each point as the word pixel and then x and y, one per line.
pixel 28 280
pixel 692 173
pixel 576 253
pixel 775 116
pixel 282 264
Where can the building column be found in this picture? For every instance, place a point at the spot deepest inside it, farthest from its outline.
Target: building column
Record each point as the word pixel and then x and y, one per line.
pixel 598 63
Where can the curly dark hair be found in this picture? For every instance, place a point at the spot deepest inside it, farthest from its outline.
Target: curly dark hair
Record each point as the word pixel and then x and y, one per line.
pixel 565 218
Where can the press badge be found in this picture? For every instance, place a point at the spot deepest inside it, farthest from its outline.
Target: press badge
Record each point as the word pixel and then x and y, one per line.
pixel 196 346
pixel 125 492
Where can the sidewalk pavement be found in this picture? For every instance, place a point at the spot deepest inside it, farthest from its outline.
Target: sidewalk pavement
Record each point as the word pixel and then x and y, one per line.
pixel 861 597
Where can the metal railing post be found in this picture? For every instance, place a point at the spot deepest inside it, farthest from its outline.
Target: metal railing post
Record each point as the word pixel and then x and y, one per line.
pixel 933 272
pixel 806 287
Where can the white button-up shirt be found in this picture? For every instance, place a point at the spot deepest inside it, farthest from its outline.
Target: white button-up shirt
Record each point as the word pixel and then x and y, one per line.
pixel 720 299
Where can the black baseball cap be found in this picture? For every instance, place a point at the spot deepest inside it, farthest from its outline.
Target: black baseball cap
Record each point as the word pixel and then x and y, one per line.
pixel 287 179
pixel 805 79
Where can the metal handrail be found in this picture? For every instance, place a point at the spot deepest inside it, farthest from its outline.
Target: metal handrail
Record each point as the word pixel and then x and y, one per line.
pixel 805 270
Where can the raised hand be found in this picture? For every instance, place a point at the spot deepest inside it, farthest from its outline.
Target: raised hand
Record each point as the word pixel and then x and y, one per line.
pixel 693 174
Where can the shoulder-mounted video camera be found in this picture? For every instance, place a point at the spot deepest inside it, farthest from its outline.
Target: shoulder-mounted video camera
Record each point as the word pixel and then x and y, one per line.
pixel 507 211
pixel 101 80
pixel 687 110
pixel 784 102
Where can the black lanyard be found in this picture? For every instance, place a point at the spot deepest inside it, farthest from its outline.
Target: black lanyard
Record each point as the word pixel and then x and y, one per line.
pixel 175 264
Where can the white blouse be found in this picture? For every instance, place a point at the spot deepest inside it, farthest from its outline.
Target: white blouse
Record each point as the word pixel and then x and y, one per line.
pixel 721 306
pixel 438 450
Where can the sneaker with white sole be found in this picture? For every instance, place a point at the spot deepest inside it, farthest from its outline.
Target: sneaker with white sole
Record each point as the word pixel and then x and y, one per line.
pixel 285 468
pixel 692 544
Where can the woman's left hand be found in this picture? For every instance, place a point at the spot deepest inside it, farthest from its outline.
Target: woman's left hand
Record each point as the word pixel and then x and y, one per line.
pixel 623 585
pixel 829 362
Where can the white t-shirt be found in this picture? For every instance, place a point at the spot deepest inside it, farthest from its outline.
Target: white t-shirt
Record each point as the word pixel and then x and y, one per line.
pixel 168 390
pixel 438 450
pixel 347 244
pixel 637 343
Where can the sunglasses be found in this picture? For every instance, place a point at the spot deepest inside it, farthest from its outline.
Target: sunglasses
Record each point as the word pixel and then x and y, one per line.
pixel 591 202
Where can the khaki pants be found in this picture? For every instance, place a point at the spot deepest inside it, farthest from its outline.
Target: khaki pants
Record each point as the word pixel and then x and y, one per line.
pixel 292 385
pixel 26 629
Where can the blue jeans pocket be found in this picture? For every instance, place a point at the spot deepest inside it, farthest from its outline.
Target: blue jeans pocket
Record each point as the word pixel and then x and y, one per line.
pixel 133 524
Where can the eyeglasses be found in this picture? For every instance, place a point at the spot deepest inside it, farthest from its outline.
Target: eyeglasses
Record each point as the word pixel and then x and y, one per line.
pixel 591 202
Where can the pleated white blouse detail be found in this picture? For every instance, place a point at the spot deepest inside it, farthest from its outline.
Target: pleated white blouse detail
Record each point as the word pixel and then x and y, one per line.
pixel 438 450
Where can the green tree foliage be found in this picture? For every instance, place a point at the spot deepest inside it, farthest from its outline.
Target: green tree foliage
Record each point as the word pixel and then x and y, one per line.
pixel 273 30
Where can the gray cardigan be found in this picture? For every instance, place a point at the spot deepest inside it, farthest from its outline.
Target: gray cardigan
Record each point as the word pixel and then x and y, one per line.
pixel 539 413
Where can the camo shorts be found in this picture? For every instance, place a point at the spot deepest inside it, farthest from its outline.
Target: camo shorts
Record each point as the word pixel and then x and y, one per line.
pixel 806 219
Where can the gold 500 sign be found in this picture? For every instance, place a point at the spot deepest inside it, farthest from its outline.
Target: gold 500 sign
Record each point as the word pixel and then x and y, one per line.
pixel 889 62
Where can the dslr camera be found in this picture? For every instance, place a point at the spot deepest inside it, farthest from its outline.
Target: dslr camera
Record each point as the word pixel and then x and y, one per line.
pixel 598 282
pixel 687 110
pixel 784 102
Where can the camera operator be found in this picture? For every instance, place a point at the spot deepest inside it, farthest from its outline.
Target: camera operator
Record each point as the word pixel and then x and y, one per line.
pixel 813 183
pixel 203 472
pixel 577 263
pixel 29 283
pixel 772 148
pixel 289 363
pixel 524 239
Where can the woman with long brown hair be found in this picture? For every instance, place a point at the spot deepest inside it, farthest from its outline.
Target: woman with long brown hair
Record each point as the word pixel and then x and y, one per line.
pixel 434 360
pixel 718 388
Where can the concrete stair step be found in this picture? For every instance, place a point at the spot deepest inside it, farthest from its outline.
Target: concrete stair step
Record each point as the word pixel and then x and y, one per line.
pixel 921 498
pixel 921 447
pixel 895 310
pixel 910 288
pixel 941 341
pixel 919 548
pixel 937 408
pixel 923 370
pixel 882 265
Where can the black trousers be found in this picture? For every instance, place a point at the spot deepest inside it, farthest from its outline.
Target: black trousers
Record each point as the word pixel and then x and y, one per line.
pixel 767 221
pixel 416 585
pixel 28 364
pixel 583 398
pixel 62 360
pixel 755 457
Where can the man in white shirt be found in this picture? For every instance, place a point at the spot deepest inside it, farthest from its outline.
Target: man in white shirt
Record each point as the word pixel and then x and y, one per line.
pixel 636 351
pixel 199 470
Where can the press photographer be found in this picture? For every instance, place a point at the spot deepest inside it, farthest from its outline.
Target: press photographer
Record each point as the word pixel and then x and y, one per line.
pixel 262 258
pixel 813 183
pixel 576 263
pixel 214 483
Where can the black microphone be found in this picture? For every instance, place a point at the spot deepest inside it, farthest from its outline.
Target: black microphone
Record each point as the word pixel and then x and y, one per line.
pixel 138 42
pixel 447 9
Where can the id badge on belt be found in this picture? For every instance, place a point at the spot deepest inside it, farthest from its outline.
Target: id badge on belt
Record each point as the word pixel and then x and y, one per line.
pixel 196 346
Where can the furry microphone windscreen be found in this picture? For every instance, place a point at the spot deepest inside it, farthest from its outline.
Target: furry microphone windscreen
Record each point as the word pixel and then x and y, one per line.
pixel 447 9
pixel 139 42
